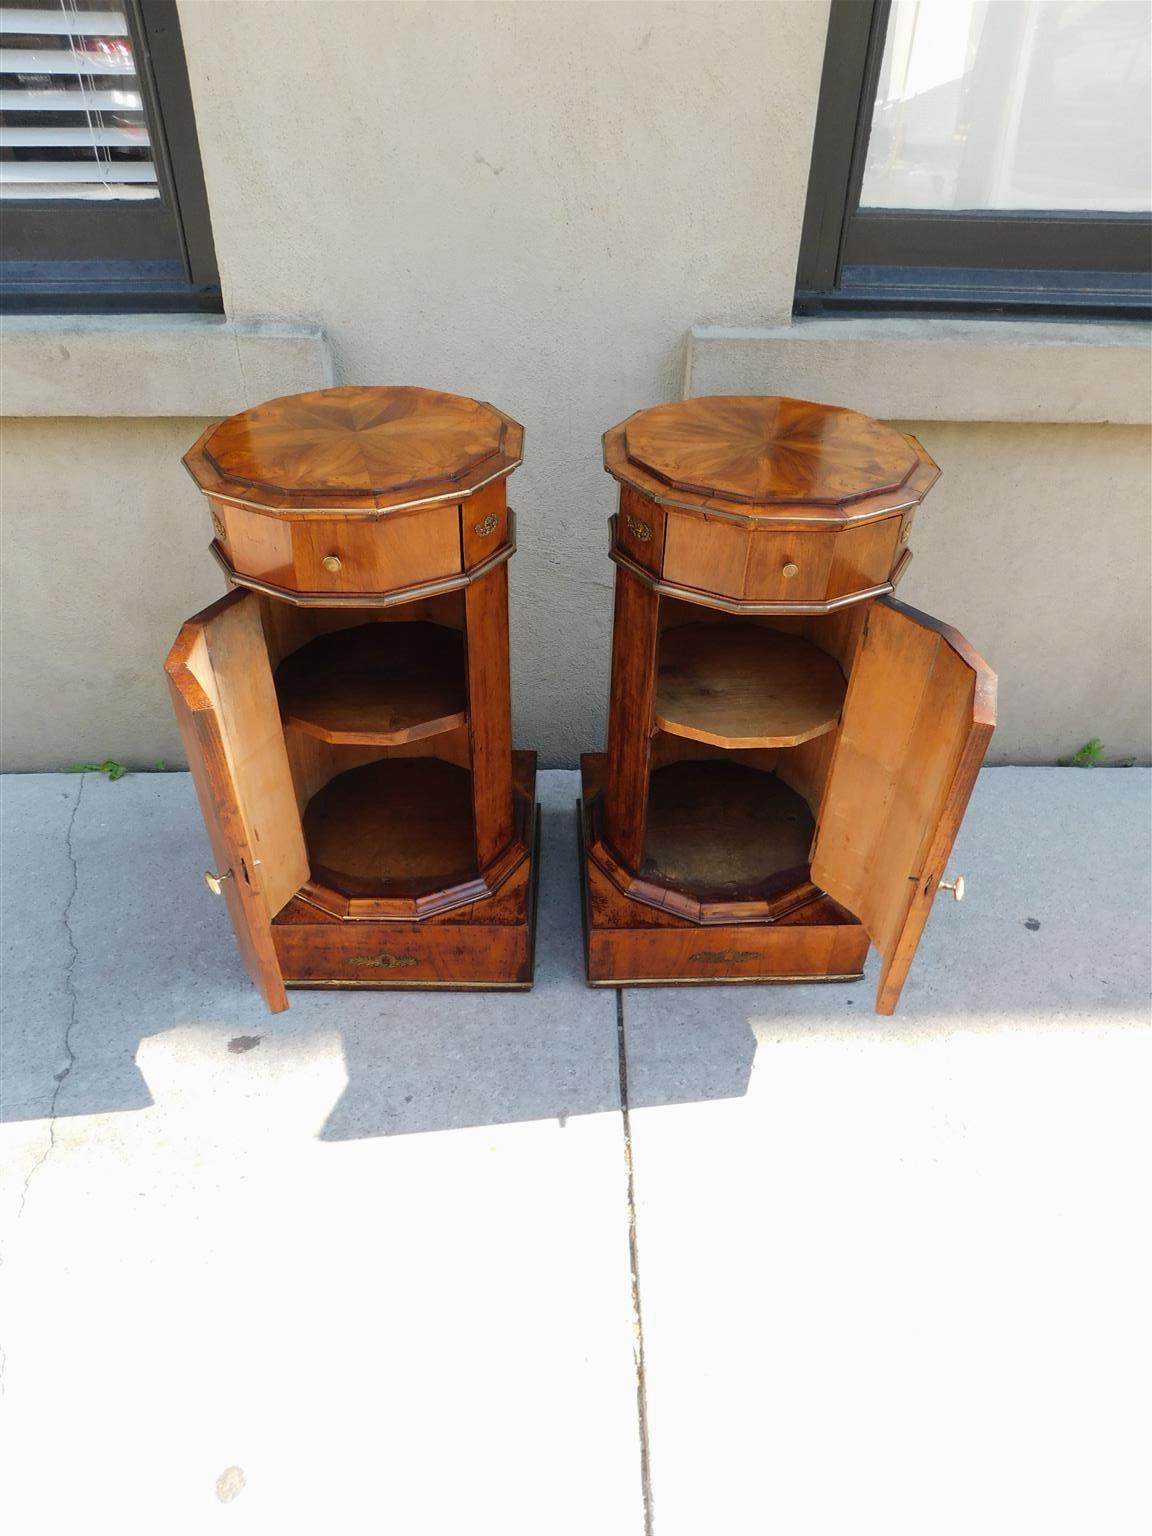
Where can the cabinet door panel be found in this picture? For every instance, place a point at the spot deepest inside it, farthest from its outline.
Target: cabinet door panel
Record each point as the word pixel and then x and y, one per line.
pixel 225 702
pixel 920 710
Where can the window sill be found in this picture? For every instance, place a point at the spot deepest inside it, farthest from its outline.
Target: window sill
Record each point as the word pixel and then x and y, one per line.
pixel 936 369
pixel 153 365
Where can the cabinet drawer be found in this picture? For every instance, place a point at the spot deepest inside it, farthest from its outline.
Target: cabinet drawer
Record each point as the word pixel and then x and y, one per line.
pixel 746 564
pixel 377 556
pixel 788 567
pixel 345 555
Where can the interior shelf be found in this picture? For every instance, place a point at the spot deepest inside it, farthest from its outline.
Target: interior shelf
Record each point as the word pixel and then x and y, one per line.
pixel 742 685
pixel 376 684
pixel 724 831
pixel 401 826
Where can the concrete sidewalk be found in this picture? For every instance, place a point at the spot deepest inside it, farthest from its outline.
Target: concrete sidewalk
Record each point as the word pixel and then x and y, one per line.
pixel 367 1266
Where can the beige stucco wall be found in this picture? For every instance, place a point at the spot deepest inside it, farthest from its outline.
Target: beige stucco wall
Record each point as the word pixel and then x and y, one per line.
pixel 533 204
pixel 101 562
pixel 1036 545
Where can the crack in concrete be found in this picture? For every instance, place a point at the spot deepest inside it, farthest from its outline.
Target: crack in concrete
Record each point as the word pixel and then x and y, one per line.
pixel 62 1076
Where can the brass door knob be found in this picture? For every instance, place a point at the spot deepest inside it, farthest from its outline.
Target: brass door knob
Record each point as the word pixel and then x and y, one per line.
pixel 332 563
pixel 216 882
pixel 955 886
pixel 790 569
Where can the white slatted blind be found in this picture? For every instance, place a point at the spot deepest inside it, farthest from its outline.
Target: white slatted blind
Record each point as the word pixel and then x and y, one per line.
pixel 72 122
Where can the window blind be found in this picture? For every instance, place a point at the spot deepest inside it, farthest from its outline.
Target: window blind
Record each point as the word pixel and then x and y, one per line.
pixel 72 120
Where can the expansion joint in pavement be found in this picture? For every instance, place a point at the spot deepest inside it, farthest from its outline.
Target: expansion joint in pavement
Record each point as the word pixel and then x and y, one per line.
pixel 634 1260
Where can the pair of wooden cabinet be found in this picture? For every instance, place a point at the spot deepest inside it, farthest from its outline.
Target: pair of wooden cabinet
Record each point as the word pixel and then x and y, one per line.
pixel 789 753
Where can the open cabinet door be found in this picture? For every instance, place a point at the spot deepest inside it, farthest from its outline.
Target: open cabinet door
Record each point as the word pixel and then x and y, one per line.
pixel 920 710
pixel 225 701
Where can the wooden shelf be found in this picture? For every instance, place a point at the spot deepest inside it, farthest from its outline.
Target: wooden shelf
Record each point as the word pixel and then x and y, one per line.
pixel 399 827
pixel 376 684
pixel 741 685
pixel 724 832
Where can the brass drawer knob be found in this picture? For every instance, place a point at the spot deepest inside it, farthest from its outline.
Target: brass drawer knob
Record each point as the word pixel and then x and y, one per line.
pixel 955 886
pixel 332 563
pixel 790 569
pixel 216 882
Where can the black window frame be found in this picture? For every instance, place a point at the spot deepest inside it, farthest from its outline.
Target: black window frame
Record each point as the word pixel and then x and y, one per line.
pixel 143 257
pixel 902 261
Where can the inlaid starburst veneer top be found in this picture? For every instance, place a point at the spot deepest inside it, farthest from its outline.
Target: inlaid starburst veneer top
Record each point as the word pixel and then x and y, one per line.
pixel 356 447
pixel 765 454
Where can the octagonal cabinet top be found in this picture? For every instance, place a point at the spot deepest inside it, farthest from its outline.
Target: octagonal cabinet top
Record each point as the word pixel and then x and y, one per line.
pixel 766 458
pixel 358 449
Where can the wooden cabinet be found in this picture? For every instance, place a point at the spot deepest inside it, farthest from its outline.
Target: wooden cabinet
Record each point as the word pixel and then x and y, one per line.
pixel 346 709
pixel 790 750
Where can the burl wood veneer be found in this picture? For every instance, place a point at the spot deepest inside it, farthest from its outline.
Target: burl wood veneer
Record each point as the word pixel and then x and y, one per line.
pixel 346 708
pixel 790 750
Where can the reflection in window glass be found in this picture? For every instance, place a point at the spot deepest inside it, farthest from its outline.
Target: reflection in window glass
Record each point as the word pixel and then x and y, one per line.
pixel 72 123
pixel 1013 105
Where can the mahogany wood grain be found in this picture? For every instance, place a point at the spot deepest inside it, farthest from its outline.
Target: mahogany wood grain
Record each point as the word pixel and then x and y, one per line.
pixel 749 608
pixel 723 829
pixel 635 637
pixel 864 556
pixel 406 955
pixel 674 613
pixel 400 825
pixel 768 449
pixel 667 749
pixel 225 704
pixel 763 565
pixel 640 529
pixel 408 549
pixel 366 864
pixel 288 626
pixel 356 448
pixel 805 768
pixel 490 712
pixel 837 633
pixel 315 762
pixel 484 944
pixel 357 516
pixel 784 567
pixel 405 550
pixel 795 517
pixel 231 666
pixel 483 524
pixel 631 943
pixel 376 684
pixel 708 556
pixel 254 544
pixel 917 720
pixel 800 516
pixel 743 685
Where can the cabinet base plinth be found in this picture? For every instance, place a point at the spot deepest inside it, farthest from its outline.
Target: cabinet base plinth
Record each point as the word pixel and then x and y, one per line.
pixel 630 944
pixel 487 945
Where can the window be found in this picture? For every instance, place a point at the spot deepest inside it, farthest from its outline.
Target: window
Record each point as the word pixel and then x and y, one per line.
pixel 102 201
pixel 989 156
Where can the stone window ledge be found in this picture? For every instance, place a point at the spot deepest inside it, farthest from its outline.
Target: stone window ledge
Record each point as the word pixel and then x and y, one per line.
pixel 936 369
pixel 153 365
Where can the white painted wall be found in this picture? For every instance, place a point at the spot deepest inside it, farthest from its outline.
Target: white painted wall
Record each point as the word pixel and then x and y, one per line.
pixel 532 203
